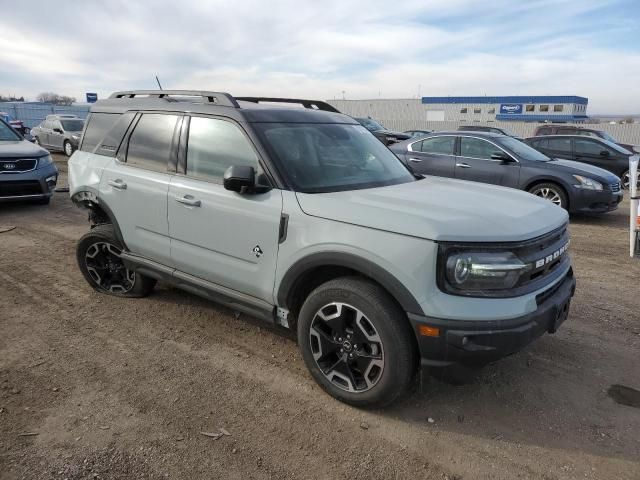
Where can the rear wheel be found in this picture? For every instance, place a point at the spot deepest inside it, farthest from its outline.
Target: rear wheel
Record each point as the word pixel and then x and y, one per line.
pixel 356 342
pixel 68 148
pixel 99 258
pixel 626 182
pixel 552 192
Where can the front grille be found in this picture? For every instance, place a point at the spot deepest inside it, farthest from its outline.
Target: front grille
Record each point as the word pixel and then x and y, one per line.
pixel 616 187
pixel 546 254
pixel 17 165
pixel 18 188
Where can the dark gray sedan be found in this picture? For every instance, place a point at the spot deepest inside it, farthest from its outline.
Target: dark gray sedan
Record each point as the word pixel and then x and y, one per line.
pixel 502 160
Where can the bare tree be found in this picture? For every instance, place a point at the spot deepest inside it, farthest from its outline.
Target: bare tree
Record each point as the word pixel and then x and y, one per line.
pixel 51 97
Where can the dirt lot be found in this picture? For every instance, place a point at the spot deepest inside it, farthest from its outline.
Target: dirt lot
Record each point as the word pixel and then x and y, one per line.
pixel 114 388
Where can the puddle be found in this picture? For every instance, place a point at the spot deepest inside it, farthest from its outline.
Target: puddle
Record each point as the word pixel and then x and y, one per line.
pixel 625 395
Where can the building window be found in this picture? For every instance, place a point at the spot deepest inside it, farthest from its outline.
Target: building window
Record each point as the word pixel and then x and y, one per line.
pixel 558 108
pixel 463 110
pixel 477 110
pixel 544 108
pixel 531 108
pixel 492 110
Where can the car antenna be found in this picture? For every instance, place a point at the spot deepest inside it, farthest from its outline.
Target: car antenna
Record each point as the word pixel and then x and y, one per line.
pixel 158 80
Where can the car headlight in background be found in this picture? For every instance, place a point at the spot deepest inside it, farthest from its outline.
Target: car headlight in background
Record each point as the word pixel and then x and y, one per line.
pixel 587 183
pixel 44 161
pixel 480 271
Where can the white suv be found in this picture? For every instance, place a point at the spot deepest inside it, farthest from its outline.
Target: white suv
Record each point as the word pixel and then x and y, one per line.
pixel 301 217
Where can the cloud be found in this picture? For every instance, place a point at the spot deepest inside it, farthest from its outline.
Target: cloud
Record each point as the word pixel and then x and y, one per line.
pixel 320 49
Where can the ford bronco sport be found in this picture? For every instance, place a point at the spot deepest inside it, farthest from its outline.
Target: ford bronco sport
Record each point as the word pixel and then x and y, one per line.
pixel 301 217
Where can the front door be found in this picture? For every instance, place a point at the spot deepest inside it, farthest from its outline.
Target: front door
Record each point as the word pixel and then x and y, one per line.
pixel 433 156
pixel 594 152
pixel 135 189
pixel 224 237
pixel 475 163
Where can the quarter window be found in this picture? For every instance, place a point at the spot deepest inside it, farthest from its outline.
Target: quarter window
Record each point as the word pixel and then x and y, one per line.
pixel 215 145
pixel 438 145
pixel 477 148
pixel 98 125
pixel 150 142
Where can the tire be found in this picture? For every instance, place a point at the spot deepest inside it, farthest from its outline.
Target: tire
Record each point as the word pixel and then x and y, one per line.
pixel 624 180
pixel 365 361
pixel 552 192
pixel 67 148
pixel 97 254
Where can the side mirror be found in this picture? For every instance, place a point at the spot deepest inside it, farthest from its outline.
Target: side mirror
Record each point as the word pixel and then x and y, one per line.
pixel 604 153
pixel 501 156
pixel 242 179
pixel 58 130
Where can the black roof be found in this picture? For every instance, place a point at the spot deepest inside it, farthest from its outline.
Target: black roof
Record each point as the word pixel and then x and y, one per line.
pixel 247 109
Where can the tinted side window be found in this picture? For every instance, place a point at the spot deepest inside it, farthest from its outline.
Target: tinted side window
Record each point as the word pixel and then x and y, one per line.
pixel 98 124
pixel 544 131
pixel 477 148
pixel 214 145
pixel 560 144
pixel 150 142
pixel 540 143
pixel 568 131
pixel 439 145
pixel 111 142
pixel 589 147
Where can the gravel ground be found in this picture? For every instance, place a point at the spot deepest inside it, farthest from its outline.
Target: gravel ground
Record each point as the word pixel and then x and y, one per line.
pixel 122 389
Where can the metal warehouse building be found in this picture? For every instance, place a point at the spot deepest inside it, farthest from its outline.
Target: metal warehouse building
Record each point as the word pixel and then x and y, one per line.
pixel 566 108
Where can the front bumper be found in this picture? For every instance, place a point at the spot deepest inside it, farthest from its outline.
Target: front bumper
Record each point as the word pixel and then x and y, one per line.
pixel 476 343
pixel 33 185
pixel 591 201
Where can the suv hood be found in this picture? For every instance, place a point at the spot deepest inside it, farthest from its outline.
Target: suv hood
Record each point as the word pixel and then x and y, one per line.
pixel 441 209
pixel 579 168
pixel 21 148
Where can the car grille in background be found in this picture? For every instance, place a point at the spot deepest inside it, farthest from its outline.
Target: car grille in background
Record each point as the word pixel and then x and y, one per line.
pixel 17 166
pixel 615 187
pixel 15 189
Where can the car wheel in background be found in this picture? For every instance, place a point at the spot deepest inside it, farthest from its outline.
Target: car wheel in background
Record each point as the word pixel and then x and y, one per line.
pixel 99 258
pixel 68 148
pixel 356 342
pixel 625 180
pixel 552 192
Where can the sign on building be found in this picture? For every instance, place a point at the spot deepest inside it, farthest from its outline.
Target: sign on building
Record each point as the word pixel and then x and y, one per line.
pixel 92 97
pixel 510 108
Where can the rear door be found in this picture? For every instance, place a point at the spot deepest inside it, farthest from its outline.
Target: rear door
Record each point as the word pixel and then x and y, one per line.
pixel 135 184
pixel 56 135
pixel 433 156
pixel 474 163
pixel 555 147
pixel 224 237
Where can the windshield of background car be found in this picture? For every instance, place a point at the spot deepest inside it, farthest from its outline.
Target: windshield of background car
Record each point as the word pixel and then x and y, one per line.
pixel 608 137
pixel 332 157
pixel 8 134
pixel 370 125
pixel 521 150
pixel 72 125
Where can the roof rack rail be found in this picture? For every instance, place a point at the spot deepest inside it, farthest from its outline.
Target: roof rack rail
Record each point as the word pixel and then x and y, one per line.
pixel 312 104
pixel 220 98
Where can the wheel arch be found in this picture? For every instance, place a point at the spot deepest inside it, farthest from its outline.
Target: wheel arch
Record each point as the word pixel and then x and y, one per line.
pixel 99 211
pixel 555 181
pixel 311 271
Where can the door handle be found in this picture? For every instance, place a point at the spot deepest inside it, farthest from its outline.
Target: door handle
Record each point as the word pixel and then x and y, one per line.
pixel 415 160
pixel 189 201
pixel 463 165
pixel 118 184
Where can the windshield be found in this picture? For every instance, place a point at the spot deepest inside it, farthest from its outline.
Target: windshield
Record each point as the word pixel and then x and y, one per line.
pixel 8 134
pixel 331 157
pixel 616 147
pixel 606 136
pixel 370 124
pixel 521 150
pixel 72 125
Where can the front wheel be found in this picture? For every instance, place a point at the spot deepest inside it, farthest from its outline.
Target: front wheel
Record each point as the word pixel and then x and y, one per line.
pixel 68 148
pixel 552 192
pixel 356 342
pixel 99 258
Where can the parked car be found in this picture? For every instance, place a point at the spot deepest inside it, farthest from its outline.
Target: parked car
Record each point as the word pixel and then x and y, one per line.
pixel 418 133
pixel 301 217
pixel 506 161
pixel 484 128
pixel 582 131
pixel 387 137
pixel 587 150
pixel 17 125
pixel 27 172
pixel 59 133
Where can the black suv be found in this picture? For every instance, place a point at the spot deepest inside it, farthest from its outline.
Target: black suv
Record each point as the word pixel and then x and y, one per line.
pixel 585 132
pixel 387 137
pixel 594 151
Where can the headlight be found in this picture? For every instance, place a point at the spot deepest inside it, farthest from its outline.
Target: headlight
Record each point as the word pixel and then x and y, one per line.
pixel 44 161
pixel 587 183
pixel 75 137
pixel 484 270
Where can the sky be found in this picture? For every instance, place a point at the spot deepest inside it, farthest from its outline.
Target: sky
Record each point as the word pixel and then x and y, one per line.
pixel 326 49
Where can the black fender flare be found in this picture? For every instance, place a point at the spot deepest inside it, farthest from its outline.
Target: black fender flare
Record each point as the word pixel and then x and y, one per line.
pixel 89 199
pixel 340 259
